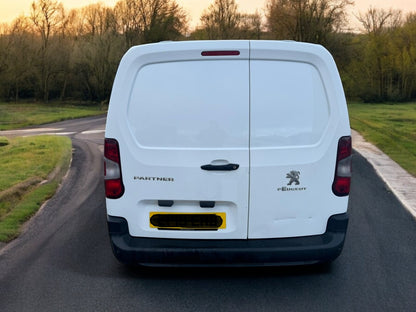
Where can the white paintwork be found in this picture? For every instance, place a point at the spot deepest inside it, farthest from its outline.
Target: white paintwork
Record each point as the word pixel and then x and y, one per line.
pixel 274 108
pixel 298 113
pixel 172 111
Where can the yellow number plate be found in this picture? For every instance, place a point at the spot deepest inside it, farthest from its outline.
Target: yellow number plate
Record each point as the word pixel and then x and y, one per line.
pixel 187 221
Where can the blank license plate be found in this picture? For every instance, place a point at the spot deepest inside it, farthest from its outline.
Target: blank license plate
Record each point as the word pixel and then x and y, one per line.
pixel 187 221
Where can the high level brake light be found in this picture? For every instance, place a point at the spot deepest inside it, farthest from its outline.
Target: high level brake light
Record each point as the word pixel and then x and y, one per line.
pixel 114 187
pixel 220 53
pixel 342 180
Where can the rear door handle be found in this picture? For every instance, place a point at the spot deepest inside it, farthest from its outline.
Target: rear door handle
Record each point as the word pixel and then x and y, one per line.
pixel 227 167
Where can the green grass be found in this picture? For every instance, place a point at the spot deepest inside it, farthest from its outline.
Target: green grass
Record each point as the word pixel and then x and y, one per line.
pixel 24 209
pixel 391 127
pixel 30 171
pixel 14 116
pixel 30 157
pixel 26 163
pixel 3 141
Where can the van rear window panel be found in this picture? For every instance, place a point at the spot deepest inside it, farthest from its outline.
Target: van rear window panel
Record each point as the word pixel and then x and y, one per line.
pixel 190 104
pixel 289 105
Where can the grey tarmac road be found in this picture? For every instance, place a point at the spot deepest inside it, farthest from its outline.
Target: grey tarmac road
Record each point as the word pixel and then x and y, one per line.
pixel 63 261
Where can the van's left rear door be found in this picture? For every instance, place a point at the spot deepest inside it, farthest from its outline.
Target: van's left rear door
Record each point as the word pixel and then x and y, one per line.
pixel 189 107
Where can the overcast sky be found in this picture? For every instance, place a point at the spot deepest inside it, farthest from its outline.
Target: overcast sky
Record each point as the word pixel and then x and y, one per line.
pixel 9 9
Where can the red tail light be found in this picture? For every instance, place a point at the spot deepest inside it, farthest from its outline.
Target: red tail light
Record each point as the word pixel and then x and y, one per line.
pixel 114 187
pixel 342 180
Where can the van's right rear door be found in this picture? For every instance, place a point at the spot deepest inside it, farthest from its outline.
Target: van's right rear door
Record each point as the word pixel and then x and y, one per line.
pixel 294 130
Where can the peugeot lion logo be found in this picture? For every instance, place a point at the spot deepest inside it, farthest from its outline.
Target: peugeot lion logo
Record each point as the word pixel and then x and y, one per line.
pixel 293 177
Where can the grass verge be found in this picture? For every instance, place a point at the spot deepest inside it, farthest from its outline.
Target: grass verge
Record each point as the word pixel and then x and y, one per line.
pixel 14 116
pixel 30 172
pixel 391 127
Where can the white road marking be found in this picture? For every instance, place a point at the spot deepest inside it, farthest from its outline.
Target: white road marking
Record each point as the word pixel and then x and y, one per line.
pixel 93 131
pixel 59 133
pixel 29 131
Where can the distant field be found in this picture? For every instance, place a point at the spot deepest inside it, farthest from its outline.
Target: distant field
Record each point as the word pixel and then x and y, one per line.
pixel 13 116
pixel 392 128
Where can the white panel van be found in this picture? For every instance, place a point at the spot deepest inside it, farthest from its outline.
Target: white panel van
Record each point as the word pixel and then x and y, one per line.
pixel 227 153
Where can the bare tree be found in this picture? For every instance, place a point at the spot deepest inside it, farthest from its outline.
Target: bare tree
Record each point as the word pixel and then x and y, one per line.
pixel 97 51
pixel 375 21
pixel 221 20
pixel 20 62
pixel 305 20
pixel 143 21
pixel 46 16
pixel 128 18
pixel 250 26
pixel 98 19
pixel 16 57
pixel 4 47
pixel 377 63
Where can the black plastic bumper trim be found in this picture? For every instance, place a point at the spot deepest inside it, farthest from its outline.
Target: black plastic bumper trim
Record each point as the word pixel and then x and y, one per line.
pixel 249 252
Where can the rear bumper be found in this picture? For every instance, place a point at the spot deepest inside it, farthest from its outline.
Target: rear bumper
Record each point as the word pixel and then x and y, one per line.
pixel 257 252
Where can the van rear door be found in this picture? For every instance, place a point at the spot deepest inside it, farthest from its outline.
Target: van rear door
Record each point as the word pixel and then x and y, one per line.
pixel 293 137
pixel 186 133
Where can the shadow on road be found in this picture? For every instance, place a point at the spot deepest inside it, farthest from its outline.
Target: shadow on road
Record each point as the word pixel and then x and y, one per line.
pixel 173 273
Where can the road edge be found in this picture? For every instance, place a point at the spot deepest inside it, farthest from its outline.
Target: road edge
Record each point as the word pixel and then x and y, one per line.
pixel 400 182
pixel 58 174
